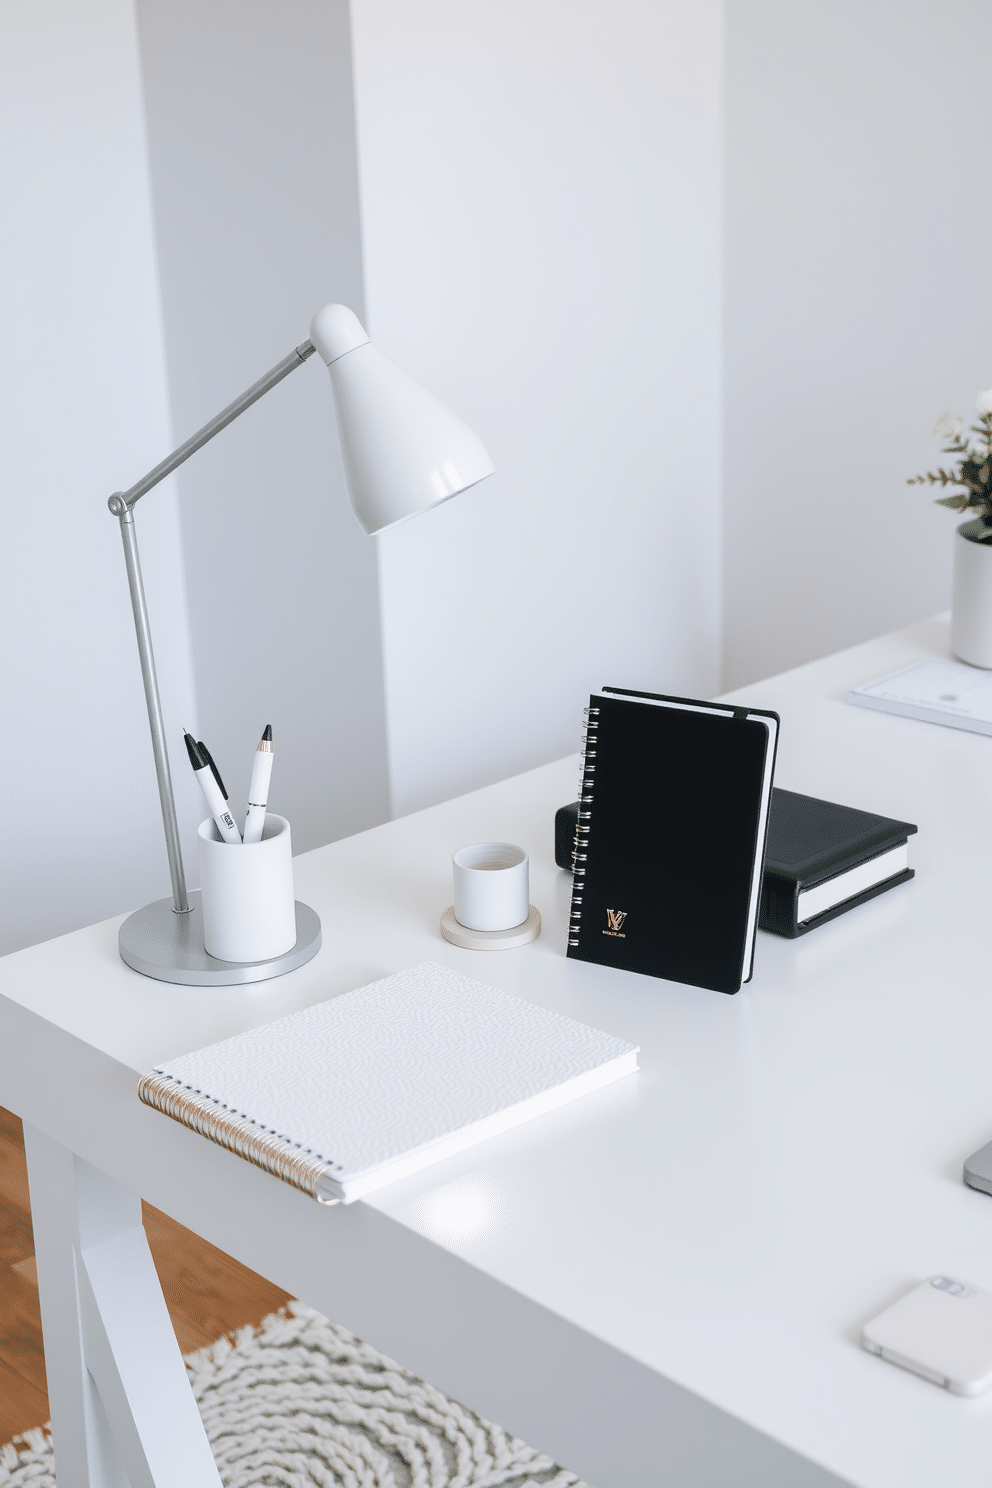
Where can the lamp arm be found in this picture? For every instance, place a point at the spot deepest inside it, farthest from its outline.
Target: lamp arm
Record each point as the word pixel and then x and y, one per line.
pixel 121 504
pixel 122 499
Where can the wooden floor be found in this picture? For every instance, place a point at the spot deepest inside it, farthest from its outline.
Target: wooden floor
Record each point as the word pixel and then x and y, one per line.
pixel 207 1292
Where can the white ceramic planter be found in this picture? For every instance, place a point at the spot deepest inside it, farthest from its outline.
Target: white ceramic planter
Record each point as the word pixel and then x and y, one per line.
pixel 971 603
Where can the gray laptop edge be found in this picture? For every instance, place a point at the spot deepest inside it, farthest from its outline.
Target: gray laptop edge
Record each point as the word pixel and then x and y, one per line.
pixel 978 1169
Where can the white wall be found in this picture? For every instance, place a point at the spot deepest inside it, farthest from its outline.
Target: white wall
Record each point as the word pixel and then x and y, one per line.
pixel 541 197
pixel 251 135
pixel 858 306
pixel 540 187
pixel 83 410
pixel 541 194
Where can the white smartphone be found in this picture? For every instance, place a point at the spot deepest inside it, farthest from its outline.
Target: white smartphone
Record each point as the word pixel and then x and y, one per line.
pixel 941 1330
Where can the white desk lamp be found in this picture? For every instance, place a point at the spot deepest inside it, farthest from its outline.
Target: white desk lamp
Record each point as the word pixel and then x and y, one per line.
pixel 404 452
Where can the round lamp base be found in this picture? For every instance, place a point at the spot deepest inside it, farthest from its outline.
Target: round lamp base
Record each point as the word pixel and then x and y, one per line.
pixel 169 947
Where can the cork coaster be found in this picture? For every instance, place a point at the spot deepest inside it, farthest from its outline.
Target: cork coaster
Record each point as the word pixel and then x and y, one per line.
pixel 490 940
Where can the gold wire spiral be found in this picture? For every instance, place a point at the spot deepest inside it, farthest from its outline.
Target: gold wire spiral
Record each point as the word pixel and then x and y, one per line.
pixel 263 1148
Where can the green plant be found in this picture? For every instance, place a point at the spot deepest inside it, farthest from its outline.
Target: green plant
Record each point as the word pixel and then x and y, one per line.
pixel 973 470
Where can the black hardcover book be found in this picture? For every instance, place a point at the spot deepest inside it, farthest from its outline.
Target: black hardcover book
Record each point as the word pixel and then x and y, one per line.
pixel 822 859
pixel 566 821
pixel 849 856
pixel 670 837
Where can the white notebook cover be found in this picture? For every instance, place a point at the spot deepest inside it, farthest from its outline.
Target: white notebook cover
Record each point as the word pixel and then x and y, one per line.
pixel 385 1080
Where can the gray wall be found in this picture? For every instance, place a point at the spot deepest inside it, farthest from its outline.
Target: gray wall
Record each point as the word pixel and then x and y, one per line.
pixel 251 143
pixel 858 306
pixel 541 194
pixel 83 411
pixel 541 207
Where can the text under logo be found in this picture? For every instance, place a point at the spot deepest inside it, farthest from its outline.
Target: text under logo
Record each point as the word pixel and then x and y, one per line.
pixel 614 920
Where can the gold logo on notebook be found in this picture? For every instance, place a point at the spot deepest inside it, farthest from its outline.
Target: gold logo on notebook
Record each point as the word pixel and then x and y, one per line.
pixel 615 919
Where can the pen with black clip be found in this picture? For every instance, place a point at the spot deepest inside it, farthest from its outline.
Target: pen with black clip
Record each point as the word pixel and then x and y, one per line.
pixel 212 787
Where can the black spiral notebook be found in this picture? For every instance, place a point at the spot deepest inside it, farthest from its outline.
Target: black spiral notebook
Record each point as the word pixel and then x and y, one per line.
pixel 669 843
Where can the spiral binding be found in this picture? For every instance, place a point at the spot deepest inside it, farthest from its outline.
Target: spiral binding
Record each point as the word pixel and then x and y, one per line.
pixel 228 1129
pixel 581 843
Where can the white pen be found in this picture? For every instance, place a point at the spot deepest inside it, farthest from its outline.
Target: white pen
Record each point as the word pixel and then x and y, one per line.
pixel 258 791
pixel 213 790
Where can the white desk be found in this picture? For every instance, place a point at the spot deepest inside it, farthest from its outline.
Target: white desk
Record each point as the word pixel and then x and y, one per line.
pixel 663 1283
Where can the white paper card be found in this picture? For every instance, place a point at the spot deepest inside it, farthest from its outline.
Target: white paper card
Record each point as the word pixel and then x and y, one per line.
pixel 934 691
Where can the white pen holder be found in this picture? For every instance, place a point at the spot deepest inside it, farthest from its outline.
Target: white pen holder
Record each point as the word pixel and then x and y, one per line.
pixel 249 908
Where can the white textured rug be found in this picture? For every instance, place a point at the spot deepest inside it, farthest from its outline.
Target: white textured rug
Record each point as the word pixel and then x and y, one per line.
pixel 300 1402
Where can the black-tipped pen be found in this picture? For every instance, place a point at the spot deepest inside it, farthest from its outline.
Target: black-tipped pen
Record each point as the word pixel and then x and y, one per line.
pixel 210 761
pixel 212 788
pixel 193 750
pixel 258 791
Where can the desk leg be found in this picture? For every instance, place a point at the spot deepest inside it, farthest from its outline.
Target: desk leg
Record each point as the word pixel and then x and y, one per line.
pixel 123 1414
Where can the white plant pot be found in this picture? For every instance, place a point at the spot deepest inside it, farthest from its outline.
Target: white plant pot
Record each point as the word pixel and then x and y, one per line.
pixel 971 603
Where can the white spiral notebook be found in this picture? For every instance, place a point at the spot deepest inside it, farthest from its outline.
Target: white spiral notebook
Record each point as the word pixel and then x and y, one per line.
pixel 347 1096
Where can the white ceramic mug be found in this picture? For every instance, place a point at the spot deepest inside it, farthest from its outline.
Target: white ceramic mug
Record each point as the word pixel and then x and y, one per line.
pixel 492 886
pixel 249 907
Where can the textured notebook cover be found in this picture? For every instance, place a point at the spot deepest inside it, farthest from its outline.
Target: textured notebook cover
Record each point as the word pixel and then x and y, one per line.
pixel 392 1068
pixel 675 839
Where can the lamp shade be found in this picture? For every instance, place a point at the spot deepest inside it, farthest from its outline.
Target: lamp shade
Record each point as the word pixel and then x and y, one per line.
pixel 404 451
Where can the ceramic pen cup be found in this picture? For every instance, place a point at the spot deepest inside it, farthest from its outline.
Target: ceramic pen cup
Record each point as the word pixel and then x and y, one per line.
pixel 246 890
pixel 492 886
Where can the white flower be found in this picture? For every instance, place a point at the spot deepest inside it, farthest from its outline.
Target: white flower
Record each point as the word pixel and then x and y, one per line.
pixel 984 401
pixel 948 426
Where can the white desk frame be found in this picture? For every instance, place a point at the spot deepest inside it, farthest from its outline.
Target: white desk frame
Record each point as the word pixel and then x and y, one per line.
pixel 663 1283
